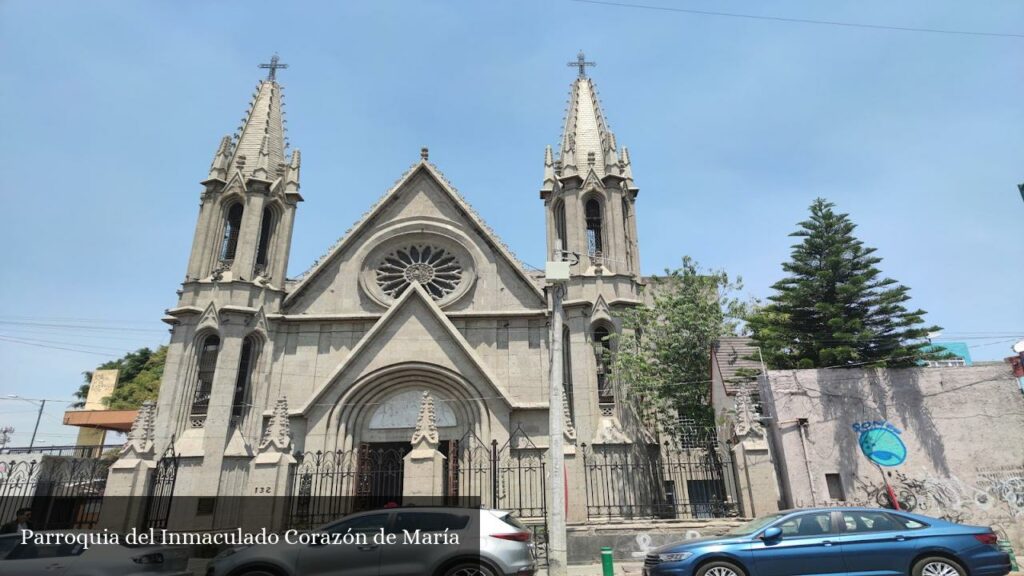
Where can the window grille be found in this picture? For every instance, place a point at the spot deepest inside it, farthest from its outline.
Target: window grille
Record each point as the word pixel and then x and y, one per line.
pixel 207 369
pixel 232 225
pixel 266 233
pixel 593 215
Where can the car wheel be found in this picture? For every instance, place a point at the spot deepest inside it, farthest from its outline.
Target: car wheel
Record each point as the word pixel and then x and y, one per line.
pixel 937 566
pixel 720 568
pixel 257 572
pixel 469 569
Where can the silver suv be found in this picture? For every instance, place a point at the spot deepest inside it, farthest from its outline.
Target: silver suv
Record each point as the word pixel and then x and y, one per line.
pixel 394 542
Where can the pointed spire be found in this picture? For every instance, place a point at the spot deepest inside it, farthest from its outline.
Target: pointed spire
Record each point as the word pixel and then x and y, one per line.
pixel 291 178
pixel 587 143
pixel 549 172
pixel 219 166
pixel 278 434
pixel 425 436
pixel 140 437
pixel 261 137
pixel 262 169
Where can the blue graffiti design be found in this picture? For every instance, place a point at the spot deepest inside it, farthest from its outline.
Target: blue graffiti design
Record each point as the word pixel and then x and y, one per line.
pixel 883 447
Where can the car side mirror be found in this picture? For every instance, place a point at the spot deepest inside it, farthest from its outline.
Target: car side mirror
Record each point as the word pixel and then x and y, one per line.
pixel 773 533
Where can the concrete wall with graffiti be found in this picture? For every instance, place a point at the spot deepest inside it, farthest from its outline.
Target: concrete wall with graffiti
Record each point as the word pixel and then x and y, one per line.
pixel 949 441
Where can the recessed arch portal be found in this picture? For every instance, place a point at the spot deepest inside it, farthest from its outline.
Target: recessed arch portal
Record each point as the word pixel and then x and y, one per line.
pixel 356 417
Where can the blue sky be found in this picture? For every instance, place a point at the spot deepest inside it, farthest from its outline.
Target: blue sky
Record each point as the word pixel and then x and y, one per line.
pixel 110 113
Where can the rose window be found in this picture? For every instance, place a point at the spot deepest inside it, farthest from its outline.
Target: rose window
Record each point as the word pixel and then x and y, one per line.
pixel 434 268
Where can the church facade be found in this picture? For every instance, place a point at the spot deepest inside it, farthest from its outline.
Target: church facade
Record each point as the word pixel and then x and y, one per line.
pixel 419 322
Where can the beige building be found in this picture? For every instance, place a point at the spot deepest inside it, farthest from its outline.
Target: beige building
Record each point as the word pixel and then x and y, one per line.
pixel 418 302
pixel 959 428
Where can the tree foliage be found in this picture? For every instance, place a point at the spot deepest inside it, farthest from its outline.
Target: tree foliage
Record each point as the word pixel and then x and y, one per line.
pixel 663 354
pixel 835 308
pixel 139 375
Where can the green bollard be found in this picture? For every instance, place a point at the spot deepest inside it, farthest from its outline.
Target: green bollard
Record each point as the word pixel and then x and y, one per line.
pixel 607 568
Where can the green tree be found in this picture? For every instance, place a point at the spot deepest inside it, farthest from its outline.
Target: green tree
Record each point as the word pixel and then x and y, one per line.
pixel 663 355
pixel 139 375
pixel 835 308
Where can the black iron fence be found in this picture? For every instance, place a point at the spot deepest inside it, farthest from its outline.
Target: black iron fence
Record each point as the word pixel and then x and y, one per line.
pixel 325 486
pixel 650 481
pixel 62 493
pixel 82 451
pixel 160 492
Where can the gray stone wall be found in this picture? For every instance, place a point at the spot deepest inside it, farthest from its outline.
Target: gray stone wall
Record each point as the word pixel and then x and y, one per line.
pixel 962 428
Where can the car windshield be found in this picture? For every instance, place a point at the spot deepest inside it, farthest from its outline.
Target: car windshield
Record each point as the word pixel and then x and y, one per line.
pixel 754 525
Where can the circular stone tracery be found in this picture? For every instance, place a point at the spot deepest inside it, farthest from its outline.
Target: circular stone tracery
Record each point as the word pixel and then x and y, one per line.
pixel 439 272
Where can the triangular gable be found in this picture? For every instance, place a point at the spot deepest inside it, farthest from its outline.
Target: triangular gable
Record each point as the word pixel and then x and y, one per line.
pixel 367 348
pixel 364 223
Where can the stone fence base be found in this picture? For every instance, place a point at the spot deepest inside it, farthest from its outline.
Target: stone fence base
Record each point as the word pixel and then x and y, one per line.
pixel 631 541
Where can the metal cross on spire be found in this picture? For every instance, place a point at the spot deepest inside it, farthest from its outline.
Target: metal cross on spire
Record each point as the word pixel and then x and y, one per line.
pixel 581 62
pixel 273 66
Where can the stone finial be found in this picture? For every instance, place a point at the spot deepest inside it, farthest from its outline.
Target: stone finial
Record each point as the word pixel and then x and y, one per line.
pixel 219 166
pixel 140 437
pixel 424 154
pixel 747 421
pixel 278 434
pixel 262 170
pixel 567 427
pixel 425 436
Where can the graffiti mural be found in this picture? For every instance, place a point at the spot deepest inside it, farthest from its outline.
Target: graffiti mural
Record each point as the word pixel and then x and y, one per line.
pixel 997 492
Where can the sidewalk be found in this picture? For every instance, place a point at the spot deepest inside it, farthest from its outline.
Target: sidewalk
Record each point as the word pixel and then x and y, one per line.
pixel 633 569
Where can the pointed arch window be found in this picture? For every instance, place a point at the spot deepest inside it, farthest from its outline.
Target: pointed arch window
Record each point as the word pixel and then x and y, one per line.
pixel 592 211
pixel 267 225
pixel 567 373
pixel 206 369
pixel 560 231
pixel 626 231
pixel 603 354
pixel 246 368
pixel 232 226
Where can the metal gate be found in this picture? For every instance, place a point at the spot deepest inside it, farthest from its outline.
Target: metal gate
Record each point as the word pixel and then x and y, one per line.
pixel 508 477
pixel 161 490
pixel 63 493
pixel 325 486
pixel 689 480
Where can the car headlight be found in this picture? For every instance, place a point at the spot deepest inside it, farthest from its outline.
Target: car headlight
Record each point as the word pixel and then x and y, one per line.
pixel 227 552
pixel 674 556
pixel 155 558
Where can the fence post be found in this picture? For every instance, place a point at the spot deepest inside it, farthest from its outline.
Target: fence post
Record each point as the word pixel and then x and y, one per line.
pixel 494 473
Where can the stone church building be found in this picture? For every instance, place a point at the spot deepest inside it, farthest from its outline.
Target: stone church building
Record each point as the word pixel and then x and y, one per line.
pixel 419 314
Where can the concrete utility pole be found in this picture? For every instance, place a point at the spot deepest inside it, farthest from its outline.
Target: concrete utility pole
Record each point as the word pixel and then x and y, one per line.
pixel 39 416
pixel 557 274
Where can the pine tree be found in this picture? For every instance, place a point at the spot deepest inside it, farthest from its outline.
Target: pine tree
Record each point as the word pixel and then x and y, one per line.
pixel 835 308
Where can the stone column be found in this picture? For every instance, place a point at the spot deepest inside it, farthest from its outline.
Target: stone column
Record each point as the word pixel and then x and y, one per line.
pixel 268 475
pixel 424 466
pixel 127 485
pixel 758 487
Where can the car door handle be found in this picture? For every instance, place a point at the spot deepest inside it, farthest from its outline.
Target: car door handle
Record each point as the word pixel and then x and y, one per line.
pixel 367 548
pixel 826 543
pixel 901 538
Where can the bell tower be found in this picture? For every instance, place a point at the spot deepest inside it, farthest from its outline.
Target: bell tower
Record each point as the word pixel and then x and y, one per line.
pixel 589 198
pixel 247 208
pixel 588 190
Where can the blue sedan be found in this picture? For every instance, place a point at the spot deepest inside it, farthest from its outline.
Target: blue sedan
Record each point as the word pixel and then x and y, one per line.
pixel 830 541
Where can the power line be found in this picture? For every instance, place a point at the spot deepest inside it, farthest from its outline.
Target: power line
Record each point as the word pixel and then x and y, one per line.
pixel 15 341
pixel 804 20
pixel 80 327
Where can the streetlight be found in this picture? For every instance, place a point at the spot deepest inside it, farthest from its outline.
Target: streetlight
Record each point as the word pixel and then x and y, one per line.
pixel 42 406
